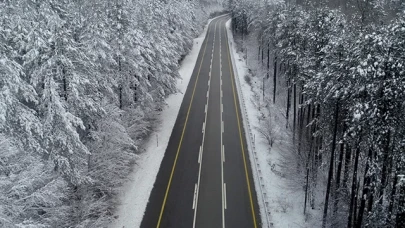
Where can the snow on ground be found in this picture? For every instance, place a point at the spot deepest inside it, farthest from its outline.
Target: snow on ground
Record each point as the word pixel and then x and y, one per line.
pixel 273 166
pixel 135 194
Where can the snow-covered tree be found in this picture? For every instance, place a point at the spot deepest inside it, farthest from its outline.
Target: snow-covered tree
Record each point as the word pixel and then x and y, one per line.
pixel 347 66
pixel 80 85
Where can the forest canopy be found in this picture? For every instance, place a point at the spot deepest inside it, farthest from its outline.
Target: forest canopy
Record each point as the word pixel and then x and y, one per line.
pixel 80 84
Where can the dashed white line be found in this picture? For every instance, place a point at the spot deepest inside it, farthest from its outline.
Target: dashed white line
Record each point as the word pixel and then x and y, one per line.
pixel 197 188
pixel 195 195
pixel 224 201
pixel 223 187
pixel 199 155
pixel 223 153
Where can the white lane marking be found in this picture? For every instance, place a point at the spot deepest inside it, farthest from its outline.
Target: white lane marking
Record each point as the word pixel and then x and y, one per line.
pixel 195 195
pixel 224 196
pixel 206 108
pixel 223 153
pixel 203 140
pixel 199 156
pixel 223 187
pixel 203 129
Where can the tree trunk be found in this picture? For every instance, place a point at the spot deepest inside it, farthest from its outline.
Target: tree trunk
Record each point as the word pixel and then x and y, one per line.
pixel 366 189
pixel 120 97
pixel 384 173
pixel 309 129
pixel 300 122
pixel 262 51
pixel 332 159
pixel 306 188
pixel 356 200
pixel 65 92
pixel 352 208
pixel 338 175
pixel 275 79
pixel 288 102
pixel 295 111
pixel 311 157
pixel 268 60
pixel 135 94
pixel 348 154
pixel 392 196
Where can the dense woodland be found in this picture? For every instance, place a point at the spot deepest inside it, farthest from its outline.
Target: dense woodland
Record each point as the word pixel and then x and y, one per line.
pixel 341 65
pixel 81 82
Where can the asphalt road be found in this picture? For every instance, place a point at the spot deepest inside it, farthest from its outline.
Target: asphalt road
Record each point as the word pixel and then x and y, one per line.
pixel 205 178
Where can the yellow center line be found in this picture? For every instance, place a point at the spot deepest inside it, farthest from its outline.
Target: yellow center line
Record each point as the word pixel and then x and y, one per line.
pixel 240 133
pixel 182 135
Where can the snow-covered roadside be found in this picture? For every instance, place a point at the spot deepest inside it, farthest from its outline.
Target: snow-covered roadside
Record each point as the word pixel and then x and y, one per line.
pixel 240 70
pixel 280 199
pixel 136 192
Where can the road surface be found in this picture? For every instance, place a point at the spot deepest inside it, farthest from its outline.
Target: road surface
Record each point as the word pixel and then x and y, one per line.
pixel 205 179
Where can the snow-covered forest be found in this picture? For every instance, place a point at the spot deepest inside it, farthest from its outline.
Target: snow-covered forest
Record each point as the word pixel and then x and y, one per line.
pixel 81 82
pixel 337 68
